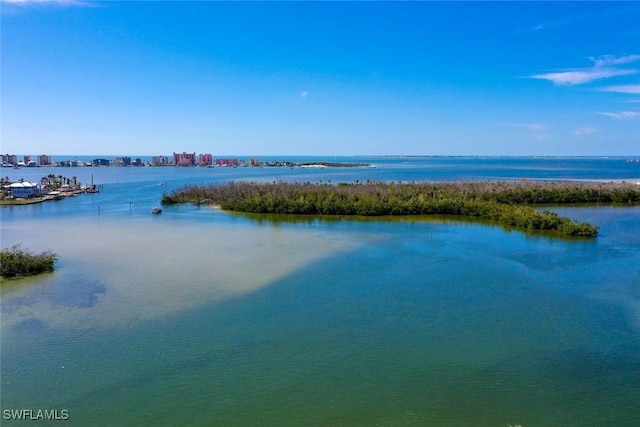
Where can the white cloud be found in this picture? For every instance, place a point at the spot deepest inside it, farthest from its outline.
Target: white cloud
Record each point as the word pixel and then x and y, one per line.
pixel 634 89
pixel 586 130
pixel 304 94
pixel 603 67
pixel 623 115
pixel 607 60
pixel 570 78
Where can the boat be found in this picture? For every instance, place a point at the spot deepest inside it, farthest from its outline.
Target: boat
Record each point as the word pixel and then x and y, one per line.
pixel 156 210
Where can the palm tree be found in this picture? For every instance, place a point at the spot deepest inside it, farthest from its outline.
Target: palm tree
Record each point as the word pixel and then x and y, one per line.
pixel 2 184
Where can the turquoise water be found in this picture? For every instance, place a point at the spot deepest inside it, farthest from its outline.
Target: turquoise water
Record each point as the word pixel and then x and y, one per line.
pixel 201 317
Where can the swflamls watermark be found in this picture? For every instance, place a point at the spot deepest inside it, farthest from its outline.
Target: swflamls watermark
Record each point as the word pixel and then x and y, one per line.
pixel 35 414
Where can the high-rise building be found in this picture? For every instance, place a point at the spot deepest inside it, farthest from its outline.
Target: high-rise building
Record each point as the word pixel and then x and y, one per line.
pixel 10 159
pixel 44 160
pixel 159 161
pixel 184 159
pixel 205 160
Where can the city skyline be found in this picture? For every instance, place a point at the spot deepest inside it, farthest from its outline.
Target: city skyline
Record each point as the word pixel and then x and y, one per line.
pixel 315 78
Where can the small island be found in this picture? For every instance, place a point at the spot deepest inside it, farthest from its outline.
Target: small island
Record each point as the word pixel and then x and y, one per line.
pixel 17 262
pixel 509 203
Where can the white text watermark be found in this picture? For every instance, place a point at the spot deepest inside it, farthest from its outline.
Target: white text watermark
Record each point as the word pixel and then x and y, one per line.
pixel 35 414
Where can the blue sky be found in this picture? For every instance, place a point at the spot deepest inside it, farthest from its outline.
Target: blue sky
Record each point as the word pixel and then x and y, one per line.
pixel 320 78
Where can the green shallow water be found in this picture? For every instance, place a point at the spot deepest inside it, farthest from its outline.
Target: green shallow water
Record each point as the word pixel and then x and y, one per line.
pixel 216 319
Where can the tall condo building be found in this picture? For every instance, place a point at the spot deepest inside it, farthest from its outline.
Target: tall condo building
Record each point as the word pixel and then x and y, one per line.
pixel 159 160
pixel 184 159
pixel 44 160
pixel 11 159
pixel 205 160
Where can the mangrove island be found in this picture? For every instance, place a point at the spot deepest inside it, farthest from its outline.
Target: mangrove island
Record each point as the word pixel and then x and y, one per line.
pixel 509 203
pixel 21 262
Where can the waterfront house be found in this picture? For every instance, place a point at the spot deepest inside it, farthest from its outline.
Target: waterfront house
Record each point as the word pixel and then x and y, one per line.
pixel 24 189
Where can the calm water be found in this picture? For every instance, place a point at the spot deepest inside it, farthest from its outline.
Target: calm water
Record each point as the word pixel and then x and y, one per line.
pixel 201 317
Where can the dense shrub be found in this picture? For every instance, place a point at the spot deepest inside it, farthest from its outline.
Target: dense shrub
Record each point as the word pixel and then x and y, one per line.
pixel 20 262
pixel 509 203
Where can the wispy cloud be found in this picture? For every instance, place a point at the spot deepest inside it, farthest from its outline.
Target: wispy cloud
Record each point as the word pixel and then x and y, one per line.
pixel 304 94
pixel 633 89
pixel 623 115
pixel 556 23
pixel 570 78
pixel 585 130
pixel 609 60
pixel 603 67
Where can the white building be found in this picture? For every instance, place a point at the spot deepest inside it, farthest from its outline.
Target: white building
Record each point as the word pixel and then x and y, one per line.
pixel 24 189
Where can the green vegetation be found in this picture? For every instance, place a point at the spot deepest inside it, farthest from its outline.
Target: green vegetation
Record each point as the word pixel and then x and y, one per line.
pixel 19 262
pixel 55 183
pixel 508 203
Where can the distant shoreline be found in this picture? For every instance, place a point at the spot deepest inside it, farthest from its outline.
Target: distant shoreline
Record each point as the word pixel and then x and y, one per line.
pixel 94 160
pixel 235 164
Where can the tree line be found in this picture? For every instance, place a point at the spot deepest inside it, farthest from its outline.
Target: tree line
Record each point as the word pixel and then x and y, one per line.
pixel 510 203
